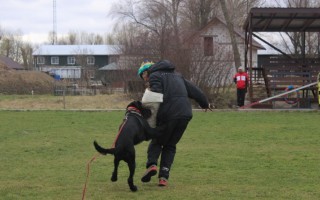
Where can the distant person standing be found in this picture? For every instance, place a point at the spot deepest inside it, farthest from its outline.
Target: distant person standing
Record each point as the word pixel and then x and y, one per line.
pixel 241 79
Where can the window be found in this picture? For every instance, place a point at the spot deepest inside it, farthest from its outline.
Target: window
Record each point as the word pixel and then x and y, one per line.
pixel 54 60
pixel 90 60
pixel 208 46
pixel 40 60
pixel 71 60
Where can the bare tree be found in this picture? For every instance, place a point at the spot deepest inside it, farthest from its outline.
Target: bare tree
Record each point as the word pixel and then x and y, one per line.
pixel 70 39
pixel 158 19
pixel 26 54
pixel 238 10
pixel 74 37
pixel 236 54
pixel 11 44
pixel 197 13
pixel 235 13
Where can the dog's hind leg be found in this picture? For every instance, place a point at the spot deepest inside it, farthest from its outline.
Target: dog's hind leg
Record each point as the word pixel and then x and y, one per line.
pixel 114 176
pixel 132 167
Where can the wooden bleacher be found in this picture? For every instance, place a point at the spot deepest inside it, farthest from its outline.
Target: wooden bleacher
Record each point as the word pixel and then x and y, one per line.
pixel 279 73
pixel 283 69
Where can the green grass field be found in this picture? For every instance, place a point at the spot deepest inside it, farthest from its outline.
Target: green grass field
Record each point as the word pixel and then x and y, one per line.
pixel 223 155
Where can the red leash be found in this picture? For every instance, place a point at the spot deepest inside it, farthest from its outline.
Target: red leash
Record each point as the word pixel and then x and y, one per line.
pixel 120 130
pixel 88 172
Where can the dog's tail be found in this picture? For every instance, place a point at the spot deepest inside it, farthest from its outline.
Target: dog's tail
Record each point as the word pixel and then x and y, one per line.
pixel 103 150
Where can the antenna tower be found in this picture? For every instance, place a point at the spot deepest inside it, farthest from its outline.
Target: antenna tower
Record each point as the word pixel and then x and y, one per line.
pixel 54 27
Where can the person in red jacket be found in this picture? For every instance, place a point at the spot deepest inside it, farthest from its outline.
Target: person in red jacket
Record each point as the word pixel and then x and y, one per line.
pixel 241 79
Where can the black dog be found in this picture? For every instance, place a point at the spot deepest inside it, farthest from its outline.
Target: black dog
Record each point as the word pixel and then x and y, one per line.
pixel 133 130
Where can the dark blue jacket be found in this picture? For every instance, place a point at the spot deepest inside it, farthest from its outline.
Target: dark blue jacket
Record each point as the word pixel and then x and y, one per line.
pixel 176 92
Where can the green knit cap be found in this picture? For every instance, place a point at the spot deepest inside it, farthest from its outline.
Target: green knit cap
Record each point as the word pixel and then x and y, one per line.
pixel 145 65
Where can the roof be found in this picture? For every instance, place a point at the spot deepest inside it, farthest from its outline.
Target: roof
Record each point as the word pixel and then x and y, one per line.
pixel 9 63
pixel 114 66
pixel 48 50
pixel 111 66
pixel 283 20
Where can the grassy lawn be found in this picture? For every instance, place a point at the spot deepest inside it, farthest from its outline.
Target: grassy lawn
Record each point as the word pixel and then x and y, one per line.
pixel 223 155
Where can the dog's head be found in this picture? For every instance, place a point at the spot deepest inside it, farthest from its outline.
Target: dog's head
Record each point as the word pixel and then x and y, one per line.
pixel 138 107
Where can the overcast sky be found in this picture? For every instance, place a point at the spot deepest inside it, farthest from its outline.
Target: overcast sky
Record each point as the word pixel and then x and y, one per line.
pixel 34 18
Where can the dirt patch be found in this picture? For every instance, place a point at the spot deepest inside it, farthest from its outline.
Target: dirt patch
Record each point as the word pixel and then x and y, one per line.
pixel 50 102
pixel 24 82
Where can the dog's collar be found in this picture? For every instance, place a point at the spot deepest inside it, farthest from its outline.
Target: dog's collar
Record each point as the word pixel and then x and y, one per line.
pixel 131 108
pixel 134 110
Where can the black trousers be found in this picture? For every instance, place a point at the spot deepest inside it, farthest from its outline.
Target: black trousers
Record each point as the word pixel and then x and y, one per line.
pixel 241 93
pixel 166 145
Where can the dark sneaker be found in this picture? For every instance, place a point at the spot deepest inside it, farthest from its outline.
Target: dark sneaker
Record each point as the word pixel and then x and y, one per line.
pixel 151 171
pixel 163 182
